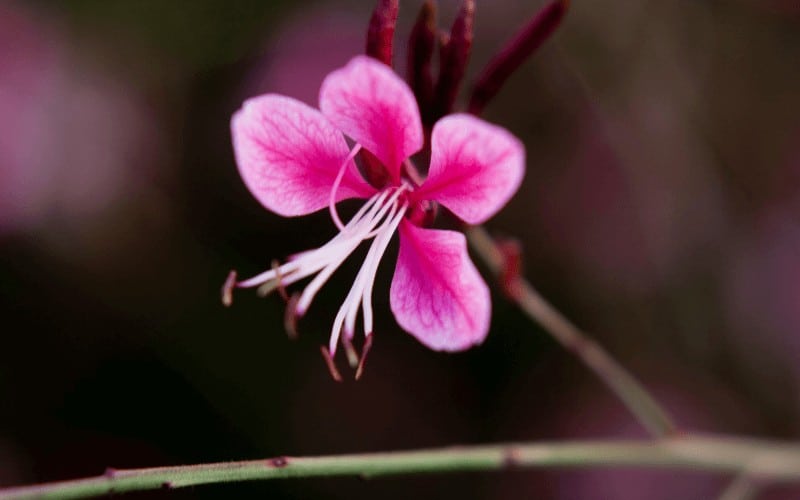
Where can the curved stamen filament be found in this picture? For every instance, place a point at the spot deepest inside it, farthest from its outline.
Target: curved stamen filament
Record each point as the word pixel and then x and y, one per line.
pixel 366 295
pixel 349 308
pixel 304 261
pixel 361 292
pixel 394 198
pixel 358 234
pixel 366 276
pixel 378 219
pixel 336 183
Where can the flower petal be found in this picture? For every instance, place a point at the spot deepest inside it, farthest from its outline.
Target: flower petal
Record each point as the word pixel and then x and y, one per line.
pixel 367 101
pixel 476 167
pixel 289 155
pixel 437 294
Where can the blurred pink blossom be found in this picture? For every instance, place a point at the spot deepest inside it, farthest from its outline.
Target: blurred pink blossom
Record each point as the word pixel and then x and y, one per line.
pixel 763 292
pixel 73 138
pixel 631 222
pixel 304 50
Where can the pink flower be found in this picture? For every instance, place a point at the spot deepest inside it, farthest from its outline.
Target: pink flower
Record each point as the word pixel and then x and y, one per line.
pixel 295 160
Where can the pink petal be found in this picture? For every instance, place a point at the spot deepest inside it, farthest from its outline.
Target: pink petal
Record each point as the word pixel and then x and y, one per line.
pixel 476 167
pixel 437 294
pixel 289 155
pixel 369 102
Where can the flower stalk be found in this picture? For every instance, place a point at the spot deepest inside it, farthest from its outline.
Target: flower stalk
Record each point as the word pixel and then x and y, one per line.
pixel 632 393
pixel 776 462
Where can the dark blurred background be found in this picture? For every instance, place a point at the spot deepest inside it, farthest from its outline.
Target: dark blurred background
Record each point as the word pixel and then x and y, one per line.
pixel 660 211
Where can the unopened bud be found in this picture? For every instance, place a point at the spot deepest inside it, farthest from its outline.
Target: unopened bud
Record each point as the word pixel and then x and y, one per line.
pixel 381 31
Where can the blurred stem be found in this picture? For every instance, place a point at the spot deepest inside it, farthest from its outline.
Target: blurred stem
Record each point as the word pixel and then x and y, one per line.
pixel 746 485
pixel 644 407
pixel 741 488
pixel 698 452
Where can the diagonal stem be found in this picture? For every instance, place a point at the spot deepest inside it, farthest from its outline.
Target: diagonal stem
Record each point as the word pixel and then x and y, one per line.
pixel 694 452
pixel 640 402
pixel 741 488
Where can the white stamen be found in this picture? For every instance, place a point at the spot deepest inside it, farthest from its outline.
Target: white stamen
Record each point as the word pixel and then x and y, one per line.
pixel 356 236
pixel 394 198
pixel 305 260
pixel 366 296
pixel 336 183
pixel 361 291
pixel 378 218
pixel 349 308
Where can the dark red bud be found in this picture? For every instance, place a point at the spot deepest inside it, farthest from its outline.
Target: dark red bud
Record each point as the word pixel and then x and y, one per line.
pixel 455 51
pixel 420 53
pixel 527 40
pixel 374 171
pixel 381 31
pixel 511 273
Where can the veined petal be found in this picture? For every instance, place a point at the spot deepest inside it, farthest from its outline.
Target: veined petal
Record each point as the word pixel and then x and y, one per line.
pixel 367 101
pixel 289 155
pixel 437 294
pixel 476 167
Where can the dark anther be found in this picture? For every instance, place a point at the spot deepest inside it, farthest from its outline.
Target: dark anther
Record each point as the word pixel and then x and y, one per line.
pixel 326 355
pixel 381 31
pixel 276 266
pixel 421 43
pixel 364 352
pixel 290 316
pixel 453 60
pixel 274 284
pixel 227 289
pixel 527 40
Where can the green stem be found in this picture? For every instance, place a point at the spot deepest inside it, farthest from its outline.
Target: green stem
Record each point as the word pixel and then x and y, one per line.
pixel 649 413
pixel 775 462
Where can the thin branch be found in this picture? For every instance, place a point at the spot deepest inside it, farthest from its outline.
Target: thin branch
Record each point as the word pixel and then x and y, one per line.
pixel 741 488
pixel 651 415
pixel 707 453
pixel 747 484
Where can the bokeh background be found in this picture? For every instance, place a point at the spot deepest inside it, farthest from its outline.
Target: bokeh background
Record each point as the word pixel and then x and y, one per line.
pixel 660 211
